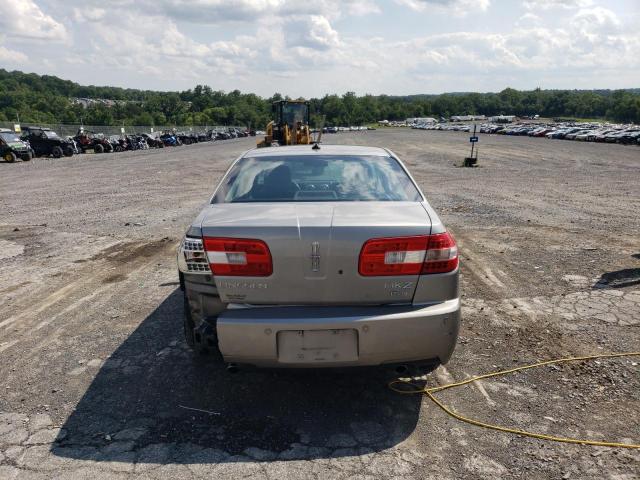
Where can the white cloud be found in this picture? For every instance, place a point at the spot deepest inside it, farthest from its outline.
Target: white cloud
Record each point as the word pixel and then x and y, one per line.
pixel 216 11
pixel 362 7
pixel 314 32
pixel 137 44
pixel 12 57
pixel 595 20
pixel 533 49
pixel 252 11
pixel 25 19
pixel 563 4
pixel 89 14
pixel 458 6
pixel 529 19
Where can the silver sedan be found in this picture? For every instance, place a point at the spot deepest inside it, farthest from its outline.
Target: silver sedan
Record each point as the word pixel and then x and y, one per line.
pixel 320 257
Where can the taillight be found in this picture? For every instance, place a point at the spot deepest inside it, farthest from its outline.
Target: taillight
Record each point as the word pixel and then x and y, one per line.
pixel 192 257
pixel 238 257
pixel 422 254
pixel 392 256
pixel 442 254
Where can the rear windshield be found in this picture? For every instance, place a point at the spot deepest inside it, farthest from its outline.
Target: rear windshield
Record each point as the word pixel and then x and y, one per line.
pixel 317 179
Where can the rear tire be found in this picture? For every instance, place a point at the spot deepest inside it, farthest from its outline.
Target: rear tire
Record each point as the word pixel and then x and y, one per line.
pixel 9 157
pixel 68 152
pixel 108 148
pixel 98 148
pixel 27 157
pixel 203 339
pixel 56 152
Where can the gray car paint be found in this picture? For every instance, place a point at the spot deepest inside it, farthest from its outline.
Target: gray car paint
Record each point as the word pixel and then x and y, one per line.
pixel 428 324
pixel 386 334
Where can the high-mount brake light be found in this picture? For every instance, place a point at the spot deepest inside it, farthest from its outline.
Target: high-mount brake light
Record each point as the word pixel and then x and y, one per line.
pixel 423 254
pixel 238 257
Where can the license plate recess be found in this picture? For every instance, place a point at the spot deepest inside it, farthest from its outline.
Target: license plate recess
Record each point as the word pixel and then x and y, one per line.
pixel 317 346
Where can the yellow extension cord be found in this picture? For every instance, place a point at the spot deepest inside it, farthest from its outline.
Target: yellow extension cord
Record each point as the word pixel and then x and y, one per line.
pixel 430 391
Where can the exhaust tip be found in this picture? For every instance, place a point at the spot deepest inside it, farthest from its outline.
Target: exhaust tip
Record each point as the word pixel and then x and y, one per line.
pixel 232 368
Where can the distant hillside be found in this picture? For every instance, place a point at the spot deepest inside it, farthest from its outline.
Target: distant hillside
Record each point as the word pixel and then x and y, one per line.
pixel 48 99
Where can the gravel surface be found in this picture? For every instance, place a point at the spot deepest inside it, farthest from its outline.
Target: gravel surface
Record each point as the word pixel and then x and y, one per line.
pixel 98 383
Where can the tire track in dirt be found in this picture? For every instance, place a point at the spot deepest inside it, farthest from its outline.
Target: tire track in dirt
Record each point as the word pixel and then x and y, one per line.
pixel 72 318
pixel 99 275
pixel 485 282
pixel 475 266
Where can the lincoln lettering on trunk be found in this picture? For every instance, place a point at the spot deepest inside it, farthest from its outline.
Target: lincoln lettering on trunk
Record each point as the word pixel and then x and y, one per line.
pixel 243 285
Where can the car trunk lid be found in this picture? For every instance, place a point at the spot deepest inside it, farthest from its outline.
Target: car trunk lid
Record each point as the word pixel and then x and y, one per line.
pixel 315 249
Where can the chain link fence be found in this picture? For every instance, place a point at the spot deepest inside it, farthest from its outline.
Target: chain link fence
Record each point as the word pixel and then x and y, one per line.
pixel 69 130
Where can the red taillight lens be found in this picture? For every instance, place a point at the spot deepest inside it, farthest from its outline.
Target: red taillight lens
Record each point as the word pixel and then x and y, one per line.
pixel 392 256
pixel 442 254
pixel 408 255
pixel 238 257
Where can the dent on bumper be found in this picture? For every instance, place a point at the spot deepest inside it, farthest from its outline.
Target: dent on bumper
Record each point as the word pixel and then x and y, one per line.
pixel 386 334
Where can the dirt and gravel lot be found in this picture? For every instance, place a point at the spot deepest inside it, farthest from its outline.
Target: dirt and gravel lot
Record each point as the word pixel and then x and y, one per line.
pixel 96 381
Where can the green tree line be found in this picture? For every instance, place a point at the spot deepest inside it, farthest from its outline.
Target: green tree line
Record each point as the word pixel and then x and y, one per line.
pixel 48 99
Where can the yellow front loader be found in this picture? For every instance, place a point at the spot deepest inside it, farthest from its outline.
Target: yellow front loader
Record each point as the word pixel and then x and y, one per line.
pixel 290 124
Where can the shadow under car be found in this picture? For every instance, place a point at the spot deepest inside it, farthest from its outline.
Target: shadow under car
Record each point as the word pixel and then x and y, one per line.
pixel 154 395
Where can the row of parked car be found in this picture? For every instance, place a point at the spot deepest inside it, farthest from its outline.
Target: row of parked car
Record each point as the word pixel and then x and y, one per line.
pixel 586 132
pixel 594 132
pixel 345 129
pixel 44 142
pixel 453 127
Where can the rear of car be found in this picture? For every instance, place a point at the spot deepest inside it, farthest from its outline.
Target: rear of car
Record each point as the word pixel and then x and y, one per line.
pixel 323 257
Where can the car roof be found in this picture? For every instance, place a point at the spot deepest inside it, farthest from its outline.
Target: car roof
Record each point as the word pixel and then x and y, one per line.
pixel 358 150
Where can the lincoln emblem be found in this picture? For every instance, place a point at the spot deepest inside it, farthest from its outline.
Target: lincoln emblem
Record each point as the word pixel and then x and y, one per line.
pixel 315 256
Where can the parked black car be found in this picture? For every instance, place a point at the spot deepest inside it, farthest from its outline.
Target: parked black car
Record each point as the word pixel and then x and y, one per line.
pixel 45 141
pixel 12 148
pixel 152 140
pixel 629 137
pixel 187 138
pixel 203 136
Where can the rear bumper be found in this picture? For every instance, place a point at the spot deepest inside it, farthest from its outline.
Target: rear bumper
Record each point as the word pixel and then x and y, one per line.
pixel 385 334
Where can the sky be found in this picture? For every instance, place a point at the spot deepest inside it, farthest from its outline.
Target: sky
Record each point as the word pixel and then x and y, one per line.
pixel 311 48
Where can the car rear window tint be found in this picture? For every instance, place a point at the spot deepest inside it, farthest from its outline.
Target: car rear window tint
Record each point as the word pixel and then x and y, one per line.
pixel 327 178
